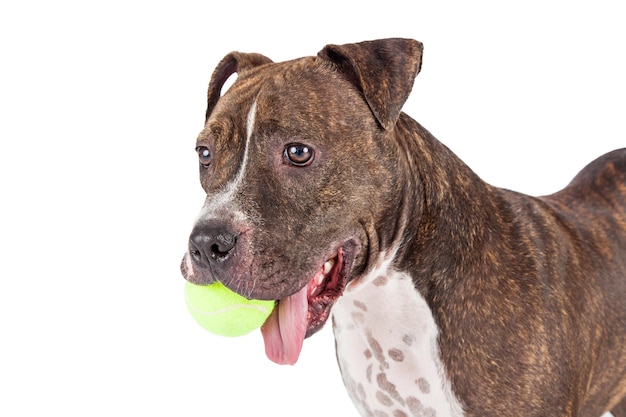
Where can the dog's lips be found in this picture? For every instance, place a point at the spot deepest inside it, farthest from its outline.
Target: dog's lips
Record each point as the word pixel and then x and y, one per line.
pixel 302 314
pixel 323 290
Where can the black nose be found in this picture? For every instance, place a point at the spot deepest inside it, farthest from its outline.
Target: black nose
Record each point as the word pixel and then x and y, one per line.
pixel 211 243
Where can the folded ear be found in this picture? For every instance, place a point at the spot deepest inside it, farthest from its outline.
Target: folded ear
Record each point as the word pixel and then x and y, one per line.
pixel 383 70
pixel 235 62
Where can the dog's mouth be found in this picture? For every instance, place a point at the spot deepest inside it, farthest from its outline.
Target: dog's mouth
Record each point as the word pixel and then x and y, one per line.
pixel 302 314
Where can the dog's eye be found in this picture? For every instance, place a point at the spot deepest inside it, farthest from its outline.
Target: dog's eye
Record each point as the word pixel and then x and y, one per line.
pixel 204 155
pixel 298 154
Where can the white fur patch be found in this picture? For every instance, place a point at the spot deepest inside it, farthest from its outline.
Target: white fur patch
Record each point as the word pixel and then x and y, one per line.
pixel 224 198
pixel 387 348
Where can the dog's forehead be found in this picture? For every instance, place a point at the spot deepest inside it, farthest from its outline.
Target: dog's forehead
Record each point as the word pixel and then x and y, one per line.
pixel 291 92
pixel 307 87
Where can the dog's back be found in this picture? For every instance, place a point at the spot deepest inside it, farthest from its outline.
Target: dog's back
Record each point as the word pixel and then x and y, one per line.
pixel 604 178
pixel 598 192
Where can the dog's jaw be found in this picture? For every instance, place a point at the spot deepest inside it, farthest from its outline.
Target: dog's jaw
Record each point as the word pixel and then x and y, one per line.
pixel 304 313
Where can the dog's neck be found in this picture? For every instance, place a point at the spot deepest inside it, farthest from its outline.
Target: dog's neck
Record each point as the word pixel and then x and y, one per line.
pixel 450 211
pixel 446 233
pixel 476 267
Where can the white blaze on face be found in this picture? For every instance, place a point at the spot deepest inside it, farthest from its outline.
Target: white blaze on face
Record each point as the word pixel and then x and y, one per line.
pixel 222 202
pixel 224 199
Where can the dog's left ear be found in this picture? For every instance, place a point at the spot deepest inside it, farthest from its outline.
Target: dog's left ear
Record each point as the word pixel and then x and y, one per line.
pixel 235 62
pixel 384 71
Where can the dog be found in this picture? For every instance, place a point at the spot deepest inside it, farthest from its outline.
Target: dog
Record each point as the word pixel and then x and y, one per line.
pixel 449 297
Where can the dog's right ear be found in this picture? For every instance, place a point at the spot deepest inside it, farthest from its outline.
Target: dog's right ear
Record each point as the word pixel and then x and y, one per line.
pixel 235 62
pixel 384 71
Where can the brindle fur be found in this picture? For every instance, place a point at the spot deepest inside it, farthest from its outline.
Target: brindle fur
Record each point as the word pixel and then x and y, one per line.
pixel 529 294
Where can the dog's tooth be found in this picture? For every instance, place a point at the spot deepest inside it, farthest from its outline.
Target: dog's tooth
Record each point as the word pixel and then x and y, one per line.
pixel 328 266
pixel 319 279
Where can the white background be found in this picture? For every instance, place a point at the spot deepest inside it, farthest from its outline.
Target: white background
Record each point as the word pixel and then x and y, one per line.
pixel 100 104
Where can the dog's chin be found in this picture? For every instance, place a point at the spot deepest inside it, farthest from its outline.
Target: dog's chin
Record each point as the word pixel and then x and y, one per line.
pixel 304 313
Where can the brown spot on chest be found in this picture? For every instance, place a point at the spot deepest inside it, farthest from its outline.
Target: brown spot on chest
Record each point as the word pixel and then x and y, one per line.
pixel 377 350
pixel 383 398
pixel 408 339
pixel 423 385
pixel 389 387
pixel 417 408
pixel 380 281
pixel 396 354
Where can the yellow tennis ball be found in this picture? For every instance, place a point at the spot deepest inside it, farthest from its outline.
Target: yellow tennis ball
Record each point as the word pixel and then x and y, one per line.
pixel 224 312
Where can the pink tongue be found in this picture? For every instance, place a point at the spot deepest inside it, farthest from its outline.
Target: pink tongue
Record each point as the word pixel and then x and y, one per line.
pixel 286 327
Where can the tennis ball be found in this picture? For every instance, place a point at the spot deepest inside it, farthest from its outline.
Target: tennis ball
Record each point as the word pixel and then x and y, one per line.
pixel 224 312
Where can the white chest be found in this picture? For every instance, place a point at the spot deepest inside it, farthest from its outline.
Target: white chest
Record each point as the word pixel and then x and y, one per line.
pixel 387 350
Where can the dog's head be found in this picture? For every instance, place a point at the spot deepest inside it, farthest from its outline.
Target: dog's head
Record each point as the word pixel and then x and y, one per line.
pixel 298 164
